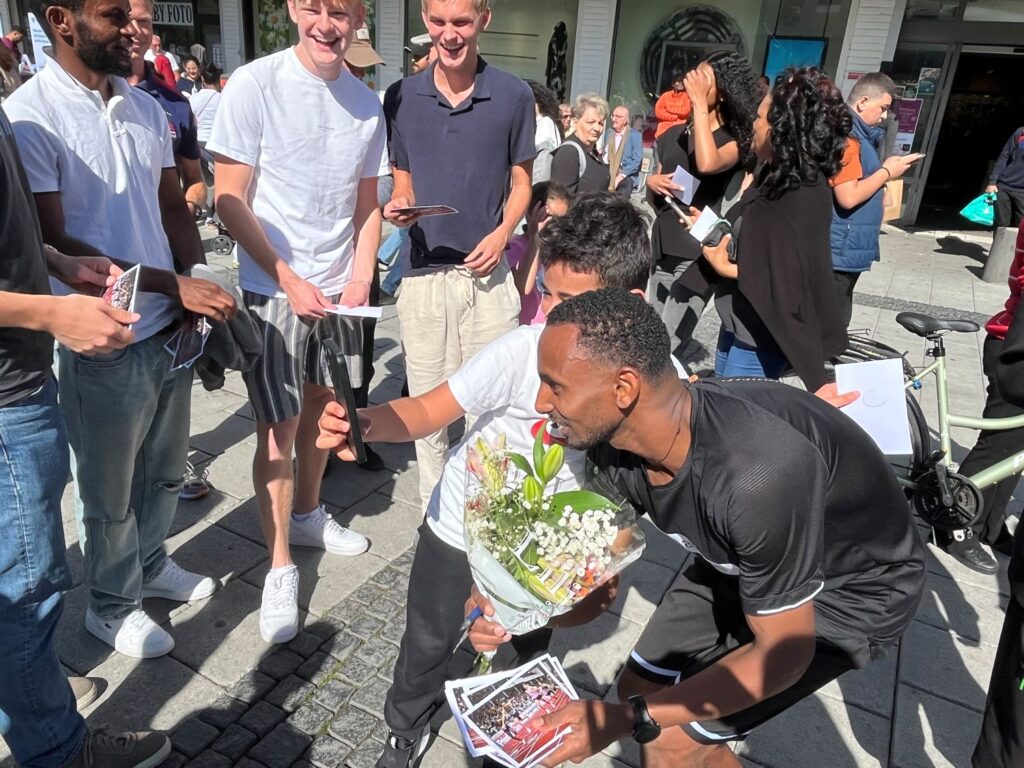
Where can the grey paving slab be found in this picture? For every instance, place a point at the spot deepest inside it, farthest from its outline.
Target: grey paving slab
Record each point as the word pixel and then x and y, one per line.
pixel 213 551
pixel 939 663
pixel 933 732
pixel 228 430
pixel 231 470
pixel 871 689
pixel 389 524
pixel 972 614
pixel 641 588
pixel 594 653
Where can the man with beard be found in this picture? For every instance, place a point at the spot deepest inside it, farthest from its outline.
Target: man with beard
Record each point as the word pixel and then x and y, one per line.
pixel 97 154
pixel 807 562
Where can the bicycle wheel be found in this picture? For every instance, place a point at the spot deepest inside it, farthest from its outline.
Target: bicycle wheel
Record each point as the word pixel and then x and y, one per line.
pixel 910 468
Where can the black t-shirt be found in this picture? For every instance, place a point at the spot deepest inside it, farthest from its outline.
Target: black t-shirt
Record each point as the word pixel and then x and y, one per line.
pixel 565 169
pixel 25 356
pixel 788 494
pixel 676 150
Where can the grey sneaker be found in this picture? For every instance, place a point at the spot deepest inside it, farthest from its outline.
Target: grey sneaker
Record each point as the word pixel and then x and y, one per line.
pixel 400 752
pixel 85 691
pixel 105 749
pixel 195 485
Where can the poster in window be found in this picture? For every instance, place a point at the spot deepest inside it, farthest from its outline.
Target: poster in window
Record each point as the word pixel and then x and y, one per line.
pixel 785 52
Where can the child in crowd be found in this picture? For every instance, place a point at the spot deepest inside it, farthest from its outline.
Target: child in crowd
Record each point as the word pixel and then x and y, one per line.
pixel 550 200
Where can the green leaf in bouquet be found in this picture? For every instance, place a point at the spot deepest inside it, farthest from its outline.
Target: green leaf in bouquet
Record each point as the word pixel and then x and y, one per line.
pixel 520 461
pixel 553 460
pixel 538 449
pixel 578 500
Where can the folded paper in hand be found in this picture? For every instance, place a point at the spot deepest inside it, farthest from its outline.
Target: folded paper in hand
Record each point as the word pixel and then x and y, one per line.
pixel 689 184
pixel 372 313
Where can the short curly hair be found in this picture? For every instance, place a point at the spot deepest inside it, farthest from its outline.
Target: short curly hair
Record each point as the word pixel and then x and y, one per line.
pixel 809 124
pixel 547 102
pixel 738 98
pixel 618 328
pixel 603 234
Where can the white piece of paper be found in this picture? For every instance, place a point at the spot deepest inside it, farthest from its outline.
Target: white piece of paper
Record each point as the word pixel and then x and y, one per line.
pixel 689 184
pixel 373 313
pixel 881 409
pixel 702 226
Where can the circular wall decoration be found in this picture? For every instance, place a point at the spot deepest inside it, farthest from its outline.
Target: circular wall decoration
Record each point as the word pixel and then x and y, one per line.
pixel 683 40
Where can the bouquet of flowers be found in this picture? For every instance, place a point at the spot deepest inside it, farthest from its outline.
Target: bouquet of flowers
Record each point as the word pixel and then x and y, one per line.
pixel 535 551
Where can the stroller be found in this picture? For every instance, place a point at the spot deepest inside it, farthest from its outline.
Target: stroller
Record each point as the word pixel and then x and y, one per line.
pixel 223 243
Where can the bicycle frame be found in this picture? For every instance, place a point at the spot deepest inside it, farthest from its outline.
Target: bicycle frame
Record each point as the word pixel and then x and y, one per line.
pixel 986 477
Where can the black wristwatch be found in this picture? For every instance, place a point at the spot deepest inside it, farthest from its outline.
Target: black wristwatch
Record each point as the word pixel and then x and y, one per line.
pixel 645 728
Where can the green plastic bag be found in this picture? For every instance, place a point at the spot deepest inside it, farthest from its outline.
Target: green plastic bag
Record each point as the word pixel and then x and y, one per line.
pixel 981 210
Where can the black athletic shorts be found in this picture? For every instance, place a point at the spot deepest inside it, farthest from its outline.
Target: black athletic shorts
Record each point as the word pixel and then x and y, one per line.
pixel 700 620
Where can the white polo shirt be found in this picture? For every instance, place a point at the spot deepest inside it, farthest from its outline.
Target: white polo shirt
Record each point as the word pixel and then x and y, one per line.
pixel 105 160
pixel 310 142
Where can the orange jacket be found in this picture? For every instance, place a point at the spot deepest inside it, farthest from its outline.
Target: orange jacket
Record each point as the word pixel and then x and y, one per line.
pixel 672 109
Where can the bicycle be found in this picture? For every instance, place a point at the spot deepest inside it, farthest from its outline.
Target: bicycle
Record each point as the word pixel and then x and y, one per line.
pixel 941 496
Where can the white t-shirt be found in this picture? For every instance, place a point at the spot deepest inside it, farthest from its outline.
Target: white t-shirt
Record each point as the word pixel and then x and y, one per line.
pixel 150 56
pixel 499 385
pixel 105 160
pixel 204 105
pixel 310 142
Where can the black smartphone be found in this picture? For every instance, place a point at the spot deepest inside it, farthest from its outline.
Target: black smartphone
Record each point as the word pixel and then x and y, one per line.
pixel 717 234
pixel 343 394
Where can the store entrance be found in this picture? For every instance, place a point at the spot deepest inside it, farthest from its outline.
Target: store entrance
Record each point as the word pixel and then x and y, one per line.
pixel 983 110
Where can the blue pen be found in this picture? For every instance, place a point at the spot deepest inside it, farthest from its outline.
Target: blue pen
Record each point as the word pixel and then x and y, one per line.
pixel 475 614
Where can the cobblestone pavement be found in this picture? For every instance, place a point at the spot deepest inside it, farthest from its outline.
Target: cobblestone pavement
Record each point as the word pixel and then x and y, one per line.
pixel 229 699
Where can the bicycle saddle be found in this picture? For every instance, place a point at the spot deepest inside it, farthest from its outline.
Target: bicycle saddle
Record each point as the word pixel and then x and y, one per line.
pixel 926 325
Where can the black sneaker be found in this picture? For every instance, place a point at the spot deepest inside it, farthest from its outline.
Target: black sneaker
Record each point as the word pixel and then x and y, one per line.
pixel 400 752
pixel 967 550
pixel 106 749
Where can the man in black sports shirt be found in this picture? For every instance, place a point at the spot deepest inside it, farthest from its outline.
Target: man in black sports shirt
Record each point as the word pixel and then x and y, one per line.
pixel 808 562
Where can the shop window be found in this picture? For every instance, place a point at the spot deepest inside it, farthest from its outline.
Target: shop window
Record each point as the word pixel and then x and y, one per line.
pixel 682 42
pixel 995 10
pixel 274 28
pixel 932 9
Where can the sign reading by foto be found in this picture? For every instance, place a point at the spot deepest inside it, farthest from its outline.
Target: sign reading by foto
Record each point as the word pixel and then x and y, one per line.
pixel 173 15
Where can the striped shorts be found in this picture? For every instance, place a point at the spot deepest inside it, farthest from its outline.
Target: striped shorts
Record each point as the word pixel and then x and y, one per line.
pixel 293 355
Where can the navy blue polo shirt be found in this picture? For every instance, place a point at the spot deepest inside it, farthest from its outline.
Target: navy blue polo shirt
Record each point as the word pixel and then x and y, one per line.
pixel 180 120
pixel 459 156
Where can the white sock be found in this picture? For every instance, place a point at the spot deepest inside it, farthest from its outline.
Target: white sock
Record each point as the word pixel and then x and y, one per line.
pixel 303 518
pixel 282 569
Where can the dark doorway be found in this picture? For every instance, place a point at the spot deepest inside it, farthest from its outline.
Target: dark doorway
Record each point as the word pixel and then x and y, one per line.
pixel 984 109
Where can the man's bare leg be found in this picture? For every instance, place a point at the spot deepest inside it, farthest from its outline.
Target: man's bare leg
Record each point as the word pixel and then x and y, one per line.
pixel 310 460
pixel 674 748
pixel 274 482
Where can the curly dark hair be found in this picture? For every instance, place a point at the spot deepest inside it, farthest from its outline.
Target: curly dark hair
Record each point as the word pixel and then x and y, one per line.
pixel 809 124
pixel 603 234
pixel 618 328
pixel 546 100
pixel 738 97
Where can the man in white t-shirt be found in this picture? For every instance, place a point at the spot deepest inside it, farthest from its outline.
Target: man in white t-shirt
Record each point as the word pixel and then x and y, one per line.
pixel 601 242
pixel 156 49
pixel 298 143
pixel 97 154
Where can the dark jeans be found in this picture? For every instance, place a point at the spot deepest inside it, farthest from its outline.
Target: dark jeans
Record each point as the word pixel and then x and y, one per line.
pixel 439 585
pixel 994 446
pixel 845 282
pixel 1001 744
pixel 38 718
pixel 1009 207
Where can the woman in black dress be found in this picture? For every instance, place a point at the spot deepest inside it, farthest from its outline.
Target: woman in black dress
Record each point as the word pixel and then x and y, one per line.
pixel 715 148
pixel 576 164
pixel 776 301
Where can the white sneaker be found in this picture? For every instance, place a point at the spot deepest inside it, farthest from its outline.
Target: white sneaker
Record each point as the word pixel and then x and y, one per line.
pixel 279 611
pixel 175 583
pixel 135 635
pixel 321 531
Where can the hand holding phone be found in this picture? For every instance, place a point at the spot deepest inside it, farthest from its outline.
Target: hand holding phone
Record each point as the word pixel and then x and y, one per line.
pixel 346 396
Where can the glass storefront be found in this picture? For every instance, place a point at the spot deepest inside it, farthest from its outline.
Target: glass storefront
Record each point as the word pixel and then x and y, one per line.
pixel 534 39
pixel 184 24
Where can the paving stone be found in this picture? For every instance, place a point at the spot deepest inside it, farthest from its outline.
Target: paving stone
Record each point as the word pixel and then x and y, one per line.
pixel 380 734
pixel 290 693
pixel 193 736
pixel 391 580
pixel 310 718
pixel 353 726
pixel 235 741
pixel 389 524
pixel 377 651
pixel 262 718
pixel 933 731
pixel 282 746
pixel 305 644
pixel 593 654
pixel 208 549
pixel 444 754
pixel 255 685
pixel 341 646
pixel 325 627
pixel 965 667
pixel 280 663
pixel 404 561
pixel 334 694
pixel 365 625
pixel 394 629
pixel 328 752
pixel 371 696
pixel 301 764
pixel 346 610
pixel 211 759
pixel 369 593
pixel 174 760
pixel 245 762
pixel 317 667
pixel 356 670
pixel 223 712
pixel 364 757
